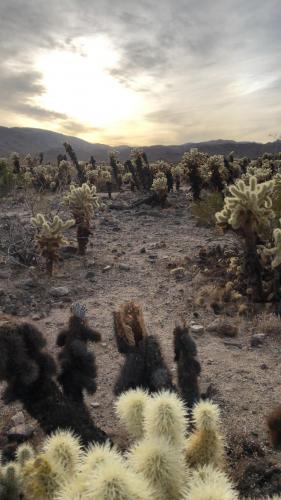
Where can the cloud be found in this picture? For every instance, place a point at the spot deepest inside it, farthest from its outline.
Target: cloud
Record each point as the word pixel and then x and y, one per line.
pixel 201 67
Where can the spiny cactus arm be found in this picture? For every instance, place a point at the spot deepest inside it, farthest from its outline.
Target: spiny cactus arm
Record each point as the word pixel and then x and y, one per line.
pixel 161 465
pixel 114 481
pixel 166 417
pixel 205 446
pixel 130 409
pixel 24 453
pixel 275 252
pixel 64 450
pixel 208 483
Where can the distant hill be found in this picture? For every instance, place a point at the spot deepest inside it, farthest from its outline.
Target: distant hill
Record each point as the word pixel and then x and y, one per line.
pixel 33 140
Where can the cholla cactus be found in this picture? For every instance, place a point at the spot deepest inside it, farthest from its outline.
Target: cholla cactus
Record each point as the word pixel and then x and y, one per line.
pixel 249 211
pixel 205 446
pixel 82 202
pixel 24 453
pixel 41 479
pixel 154 468
pixel 50 238
pixel 208 483
pixel 160 187
pixel 248 207
pixel 63 450
pixel 130 409
pixel 10 481
pixel 275 252
pixel 177 173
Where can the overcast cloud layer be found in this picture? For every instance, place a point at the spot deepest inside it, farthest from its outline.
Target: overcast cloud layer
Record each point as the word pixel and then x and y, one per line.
pixel 205 69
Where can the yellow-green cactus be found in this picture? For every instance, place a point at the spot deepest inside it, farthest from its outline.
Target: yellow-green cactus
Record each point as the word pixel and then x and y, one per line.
pixel 205 446
pixel 275 251
pixel 208 483
pixel 50 237
pixel 248 205
pixel 82 202
pixel 130 408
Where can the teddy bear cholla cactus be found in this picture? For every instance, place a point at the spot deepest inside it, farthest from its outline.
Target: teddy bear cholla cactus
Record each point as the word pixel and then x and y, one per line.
pixel 82 202
pixel 160 187
pixel 154 467
pixel 50 238
pixel 249 210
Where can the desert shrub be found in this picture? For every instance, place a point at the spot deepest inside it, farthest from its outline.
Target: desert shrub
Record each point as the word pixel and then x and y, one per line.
pixel 205 210
pixel 268 324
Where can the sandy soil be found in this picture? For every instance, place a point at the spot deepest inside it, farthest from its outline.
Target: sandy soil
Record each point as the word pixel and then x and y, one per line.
pixel 141 246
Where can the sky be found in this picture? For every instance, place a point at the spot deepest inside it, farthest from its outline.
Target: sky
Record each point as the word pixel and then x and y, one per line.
pixel 142 72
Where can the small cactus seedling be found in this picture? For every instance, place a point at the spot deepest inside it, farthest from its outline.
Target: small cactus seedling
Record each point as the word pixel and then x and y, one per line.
pixel 82 202
pixel 50 238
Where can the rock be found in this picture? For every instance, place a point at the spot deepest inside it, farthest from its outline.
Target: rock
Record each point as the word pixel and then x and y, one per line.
pixel 157 245
pixel 264 366
pixel 124 267
pixel 21 431
pixel 36 317
pixel 90 275
pixel 228 343
pixel 197 329
pixel 257 339
pixel 95 404
pixel 59 291
pixel 18 418
pixel 143 250
pixel 223 328
pixel 103 344
pixel 4 275
pixel 106 268
pixel 178 273
pixel 29 283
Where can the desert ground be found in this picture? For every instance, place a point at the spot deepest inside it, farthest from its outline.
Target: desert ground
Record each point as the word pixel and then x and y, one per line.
pixel 135 254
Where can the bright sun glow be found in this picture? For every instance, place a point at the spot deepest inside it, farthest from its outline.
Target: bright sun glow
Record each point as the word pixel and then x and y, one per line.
pixel 78 83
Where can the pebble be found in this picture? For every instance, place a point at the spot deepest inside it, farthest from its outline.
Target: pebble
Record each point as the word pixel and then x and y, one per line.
pixel 197 329
pixel 178 272
pixel 106 268
pixel 257 340
pixel 95 405
pixel 59 291
pixel 124 267
pixel 18 418
pixel 223 328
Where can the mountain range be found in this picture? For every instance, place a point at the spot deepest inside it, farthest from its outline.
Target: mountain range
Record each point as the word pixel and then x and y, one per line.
pixel 32 140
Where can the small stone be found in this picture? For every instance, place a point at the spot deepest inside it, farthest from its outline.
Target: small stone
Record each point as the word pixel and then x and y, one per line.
pixel 257 340
pixel 36 317
pixel 143 250
pixel 223 328
pixel 95 404
pixel 237 345
pixel 59 291
pixel 264 366
pixel 106 268
pixel 90 275
pixel 18 418
pixel 4 275
pixel 21 431
pixel 29 283
pixel 197 329
pixel 178 272
pixel 124 267
pixel 103 344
